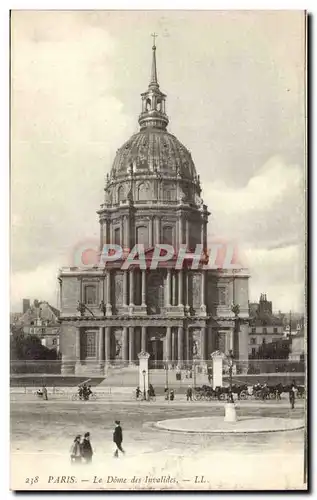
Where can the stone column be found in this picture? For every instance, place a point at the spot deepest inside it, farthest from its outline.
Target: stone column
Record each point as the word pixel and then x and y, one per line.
pixel 131 274
pixel 150 232
pixel 173 346
pixel 168 344
pixel 131 345
pixel 180 288
pixel 101 345
pixel 203 290
pixel 111 238
pixel 108 306
pixel 122 242
pixel 187 278
pixel 143 339
pixel 187 345
pixel 77 345
pixel 108 344
pixel 125 353
pixel 157 230
pixel 180 345
pixel 243 333
pixel 180 230
pixel 187 233
pixel 143 287
pixel 210 342
pixel 125 288
pixel 203 344
pixel 174 297
pixel 127 232
pixel 101 236
pixel 106 232
pixel 168 288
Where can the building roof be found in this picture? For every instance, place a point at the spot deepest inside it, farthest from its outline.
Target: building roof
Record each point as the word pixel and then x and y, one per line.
pixel 266 320
pixel 153 150
pixel 44 310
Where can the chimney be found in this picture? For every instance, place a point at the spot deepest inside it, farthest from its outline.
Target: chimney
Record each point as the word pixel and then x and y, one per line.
pixel 25 305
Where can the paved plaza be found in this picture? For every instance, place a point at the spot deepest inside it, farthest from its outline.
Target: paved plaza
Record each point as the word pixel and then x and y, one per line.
pixel 42 433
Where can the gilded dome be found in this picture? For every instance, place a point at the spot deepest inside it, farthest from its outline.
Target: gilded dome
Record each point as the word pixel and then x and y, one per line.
pixel 154 150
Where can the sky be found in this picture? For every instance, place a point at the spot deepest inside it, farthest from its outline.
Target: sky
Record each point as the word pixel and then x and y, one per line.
pixel 235 85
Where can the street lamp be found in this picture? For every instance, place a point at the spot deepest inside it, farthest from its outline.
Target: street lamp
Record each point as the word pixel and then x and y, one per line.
pixel 166 375
pixel 230 361
pixel 144 392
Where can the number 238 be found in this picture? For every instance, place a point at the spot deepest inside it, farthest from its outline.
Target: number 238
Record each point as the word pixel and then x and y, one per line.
pixel 32 480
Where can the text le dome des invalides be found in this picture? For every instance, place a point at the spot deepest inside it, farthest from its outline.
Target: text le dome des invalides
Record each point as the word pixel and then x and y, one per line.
pixel 178 315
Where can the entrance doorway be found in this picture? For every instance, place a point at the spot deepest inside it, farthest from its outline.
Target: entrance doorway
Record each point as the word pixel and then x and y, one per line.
pixel 156 353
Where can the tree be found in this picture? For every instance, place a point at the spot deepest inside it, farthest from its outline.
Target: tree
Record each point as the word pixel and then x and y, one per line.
pixel 29 347
pixel 279 349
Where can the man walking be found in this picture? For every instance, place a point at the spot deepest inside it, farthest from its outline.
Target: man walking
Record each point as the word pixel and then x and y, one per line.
pixel 292 396
pixel 44 392
pixel 86 448
pixel 189 393
pixel 118 438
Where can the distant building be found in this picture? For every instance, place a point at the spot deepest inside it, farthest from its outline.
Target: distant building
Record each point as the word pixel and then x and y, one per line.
pixel 264 327
pixel 26 304
pixel 41 319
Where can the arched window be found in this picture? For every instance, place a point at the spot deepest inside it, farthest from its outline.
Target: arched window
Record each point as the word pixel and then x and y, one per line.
pixel 120 194
pixel 90 294
pixel 148 104
pixel 142 236
pixel 143 192
pixel 159 105
pixel 168 235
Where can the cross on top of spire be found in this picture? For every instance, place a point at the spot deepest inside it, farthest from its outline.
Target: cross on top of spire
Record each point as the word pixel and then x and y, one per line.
pixel 154 35
pixel 153 80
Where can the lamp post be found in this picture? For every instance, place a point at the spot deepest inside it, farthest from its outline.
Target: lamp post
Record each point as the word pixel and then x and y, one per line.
pixel 144 391
pixel 230 361
pixel 166 375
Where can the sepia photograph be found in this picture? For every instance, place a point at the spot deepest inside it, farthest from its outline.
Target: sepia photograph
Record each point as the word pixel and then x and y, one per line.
pixel 158 310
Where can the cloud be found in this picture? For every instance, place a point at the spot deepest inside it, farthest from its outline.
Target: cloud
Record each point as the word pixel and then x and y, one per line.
pixel 268 211
pixel 39 283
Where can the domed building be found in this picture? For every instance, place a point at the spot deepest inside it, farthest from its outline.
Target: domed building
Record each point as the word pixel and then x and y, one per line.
pixel 180 315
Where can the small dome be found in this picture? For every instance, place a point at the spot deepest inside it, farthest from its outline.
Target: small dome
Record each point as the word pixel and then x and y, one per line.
pixel 154 150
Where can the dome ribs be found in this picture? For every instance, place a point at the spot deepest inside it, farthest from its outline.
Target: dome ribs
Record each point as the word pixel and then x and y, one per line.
pixel 151 151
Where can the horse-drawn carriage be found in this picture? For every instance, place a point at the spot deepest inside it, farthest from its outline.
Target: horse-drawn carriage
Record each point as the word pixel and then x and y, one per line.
pixel 207 393
pixel 258 391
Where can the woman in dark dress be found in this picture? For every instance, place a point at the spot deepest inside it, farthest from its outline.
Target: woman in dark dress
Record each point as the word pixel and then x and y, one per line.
pixel 86 448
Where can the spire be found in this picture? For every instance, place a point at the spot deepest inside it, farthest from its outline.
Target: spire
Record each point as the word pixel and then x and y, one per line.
pixel 153 81
pixel 153 113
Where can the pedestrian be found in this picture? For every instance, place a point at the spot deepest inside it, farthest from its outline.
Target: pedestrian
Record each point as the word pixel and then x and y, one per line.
pixel 189 393
pixel 75 451
pixel 166 393
pixel 86 448
pixel 44 392
pixel 172 395
pixel 292 396
pixel 118 438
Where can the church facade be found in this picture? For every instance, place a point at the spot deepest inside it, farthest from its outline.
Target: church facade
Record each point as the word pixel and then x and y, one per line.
pixel 180 316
